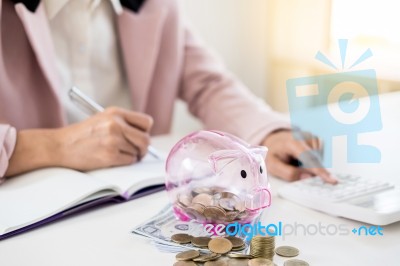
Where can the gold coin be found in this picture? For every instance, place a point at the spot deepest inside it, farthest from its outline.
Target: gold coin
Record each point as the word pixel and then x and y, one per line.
pixel 180 205
pixel 195 211
pixel 219 262
pixel 240 206
pixel 207 257
pixel 201 241
pixel 214 213
pixel 181 238
pixel 217 189
pixel 231 215
pixel 185 263
pixel 295 262
pixel 201 190
pixel 187 255
pixel 287 251
pixel 239 248
pixel 204 199
pixel 238 262
pixel 262 247
pixel 241 215
pixel 220 245
pixel 260 262
pixel 239 255
pixel 184 200
pixel 230 195
pixel 260 237
pixel 236 241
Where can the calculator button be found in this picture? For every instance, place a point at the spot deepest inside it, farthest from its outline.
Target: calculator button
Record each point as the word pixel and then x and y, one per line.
pixel 348 187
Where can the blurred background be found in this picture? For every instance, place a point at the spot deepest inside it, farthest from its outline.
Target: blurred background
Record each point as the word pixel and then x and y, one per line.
pixel 267 42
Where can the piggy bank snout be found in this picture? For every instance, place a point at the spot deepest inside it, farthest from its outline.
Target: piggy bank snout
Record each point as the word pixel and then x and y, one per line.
pixel 259 198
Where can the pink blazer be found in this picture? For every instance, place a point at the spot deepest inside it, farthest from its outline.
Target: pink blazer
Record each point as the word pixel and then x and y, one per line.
pixel 163 61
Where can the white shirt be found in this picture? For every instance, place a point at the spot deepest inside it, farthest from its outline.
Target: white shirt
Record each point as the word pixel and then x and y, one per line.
pixel 88 52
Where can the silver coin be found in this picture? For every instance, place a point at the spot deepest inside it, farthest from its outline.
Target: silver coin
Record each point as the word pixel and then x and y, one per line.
pixel 227 204
pixel 295 262
pixel 287 251
pixel 201 190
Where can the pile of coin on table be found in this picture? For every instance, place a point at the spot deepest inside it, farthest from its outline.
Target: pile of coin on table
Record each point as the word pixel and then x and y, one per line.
pixel 214 205
pixel 262 250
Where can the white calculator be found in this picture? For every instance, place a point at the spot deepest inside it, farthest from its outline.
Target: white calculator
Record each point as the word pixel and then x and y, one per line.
pixel 366 200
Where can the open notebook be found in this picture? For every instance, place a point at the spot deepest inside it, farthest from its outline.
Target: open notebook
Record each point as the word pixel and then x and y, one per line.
pixel 42 196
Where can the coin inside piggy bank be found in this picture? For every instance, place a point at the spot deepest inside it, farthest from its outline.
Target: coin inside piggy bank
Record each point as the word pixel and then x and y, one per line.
pixel 215 177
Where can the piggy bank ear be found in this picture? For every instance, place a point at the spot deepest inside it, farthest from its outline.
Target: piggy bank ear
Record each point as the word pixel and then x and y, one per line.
pixel 220 159
pixel 261 150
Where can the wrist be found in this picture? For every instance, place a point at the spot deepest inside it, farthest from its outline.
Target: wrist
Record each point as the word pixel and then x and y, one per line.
pixel 34 149
pixel 272 134
pixel 49 152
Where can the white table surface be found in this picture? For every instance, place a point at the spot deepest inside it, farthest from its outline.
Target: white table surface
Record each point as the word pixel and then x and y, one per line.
pixel 102 236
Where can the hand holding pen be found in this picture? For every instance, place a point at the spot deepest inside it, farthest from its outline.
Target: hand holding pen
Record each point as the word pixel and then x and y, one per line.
pixel 91 107
pixel 112 137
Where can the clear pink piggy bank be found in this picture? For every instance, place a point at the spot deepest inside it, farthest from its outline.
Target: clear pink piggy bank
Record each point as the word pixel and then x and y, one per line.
pixel 214 177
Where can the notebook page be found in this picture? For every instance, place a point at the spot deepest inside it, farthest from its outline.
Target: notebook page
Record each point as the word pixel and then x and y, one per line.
pixel 31 197
pixel 149 171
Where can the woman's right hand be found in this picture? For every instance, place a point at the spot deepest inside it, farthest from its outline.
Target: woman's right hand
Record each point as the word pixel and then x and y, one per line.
pixel 111 138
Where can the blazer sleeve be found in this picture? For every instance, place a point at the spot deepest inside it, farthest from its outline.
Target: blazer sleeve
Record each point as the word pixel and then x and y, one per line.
pixel 221 101
pixel 8 137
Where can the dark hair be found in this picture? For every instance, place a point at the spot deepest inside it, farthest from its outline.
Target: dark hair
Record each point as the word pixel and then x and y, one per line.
pixel 30 4
pixel 133 5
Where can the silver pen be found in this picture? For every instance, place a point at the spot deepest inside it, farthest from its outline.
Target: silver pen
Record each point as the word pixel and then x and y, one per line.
pixel 90 106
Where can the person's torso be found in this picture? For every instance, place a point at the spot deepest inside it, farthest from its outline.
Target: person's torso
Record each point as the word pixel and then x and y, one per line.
pixel 151 37
pixel 88 52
